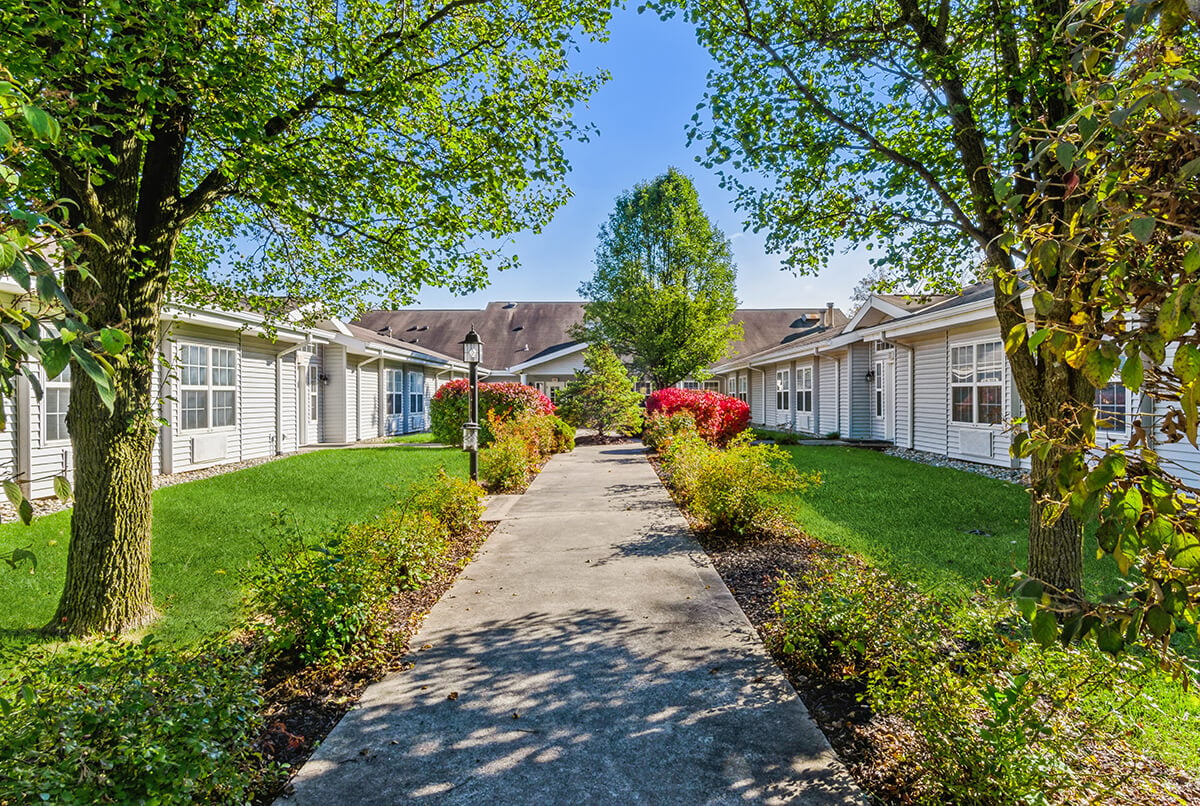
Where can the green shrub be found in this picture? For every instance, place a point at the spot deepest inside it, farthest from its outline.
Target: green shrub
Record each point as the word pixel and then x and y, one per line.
pixel 448 410
pixel 117 722
pixel 998 719
pixel 563 435
pixel 508 463
pixel 326 599
pixel 602 395
pixel 732 489
pixel 456 503
pixel 660 429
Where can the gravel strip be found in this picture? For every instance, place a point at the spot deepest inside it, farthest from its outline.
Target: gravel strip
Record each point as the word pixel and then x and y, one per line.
pixel 991 471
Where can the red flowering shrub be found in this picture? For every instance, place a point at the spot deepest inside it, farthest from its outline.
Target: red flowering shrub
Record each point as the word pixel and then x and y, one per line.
pixel 502 401
pixel 719 418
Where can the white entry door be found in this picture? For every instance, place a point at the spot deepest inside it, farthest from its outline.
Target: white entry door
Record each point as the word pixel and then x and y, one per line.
pixel 312 401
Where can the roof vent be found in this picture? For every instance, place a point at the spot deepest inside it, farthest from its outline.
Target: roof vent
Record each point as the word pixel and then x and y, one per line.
pixel 518 328
pixel 410 330
pixel 423 327
pixel 508 305
pixel 525 349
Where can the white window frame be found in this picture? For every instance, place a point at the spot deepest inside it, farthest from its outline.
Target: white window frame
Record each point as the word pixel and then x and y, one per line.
pixel 393 392
pixel 880 368
pixel 744 388
pixel 783 390
pixel 1125 414
pixel 731 386
pixel 974 383
pixel 57 390
pixel 416 392
pixel 207 385
pixel 804 390
pixel 712 386
pixel 691 386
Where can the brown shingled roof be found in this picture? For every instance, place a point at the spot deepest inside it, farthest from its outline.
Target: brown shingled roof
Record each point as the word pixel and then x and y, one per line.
pixel 516 332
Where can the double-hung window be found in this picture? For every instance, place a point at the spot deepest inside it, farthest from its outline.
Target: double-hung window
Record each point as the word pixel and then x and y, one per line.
pixel 712 386
pixel 782 392
pixel 744 388
pixel 56 397
pixel 976 383
pixel 804 386
pixel 691 385
pixel 416 393
pixel 395 392
pixel 208 386
pixel 731 388
pixel 1112 407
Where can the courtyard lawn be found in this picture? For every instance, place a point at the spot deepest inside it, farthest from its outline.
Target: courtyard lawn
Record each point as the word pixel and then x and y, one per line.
pixel 207 531
pixel 947 531
pixel 423 438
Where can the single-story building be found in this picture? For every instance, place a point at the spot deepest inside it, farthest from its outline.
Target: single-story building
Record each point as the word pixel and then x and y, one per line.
pixel 926 374
pixel 232 389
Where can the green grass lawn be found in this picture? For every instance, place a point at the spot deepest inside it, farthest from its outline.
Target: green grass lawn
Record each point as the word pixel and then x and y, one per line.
pixel 921 523
pixel 207 531
pixel 945 530
pixel 423 438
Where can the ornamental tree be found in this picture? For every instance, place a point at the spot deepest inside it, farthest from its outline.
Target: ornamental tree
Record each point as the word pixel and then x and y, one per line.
pixel 924 130
pixel 255 152
pixel 663 290
pixel 602 395
pixel 450 409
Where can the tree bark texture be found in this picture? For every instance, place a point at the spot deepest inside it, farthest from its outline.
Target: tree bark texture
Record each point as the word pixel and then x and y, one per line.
pixel 107 587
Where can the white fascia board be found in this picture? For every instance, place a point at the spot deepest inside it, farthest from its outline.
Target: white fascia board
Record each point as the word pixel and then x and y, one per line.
pixel 782 353
pixel 972 313
pixel 244 321
pixel 516 369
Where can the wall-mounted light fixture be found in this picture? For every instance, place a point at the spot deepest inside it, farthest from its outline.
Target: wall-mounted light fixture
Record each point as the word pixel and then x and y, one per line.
pixel 870 376
pixel 323 378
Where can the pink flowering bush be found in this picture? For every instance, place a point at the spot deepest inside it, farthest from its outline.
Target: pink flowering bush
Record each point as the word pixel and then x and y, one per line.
pixel 719 418
pixel 499 401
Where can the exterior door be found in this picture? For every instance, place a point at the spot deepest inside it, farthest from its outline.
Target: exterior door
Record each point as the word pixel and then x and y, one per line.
pixel 880 402
pixel 312 401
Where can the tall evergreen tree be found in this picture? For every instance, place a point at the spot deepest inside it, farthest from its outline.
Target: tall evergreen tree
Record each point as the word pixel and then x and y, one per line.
pixel 663 290
pixel 602 395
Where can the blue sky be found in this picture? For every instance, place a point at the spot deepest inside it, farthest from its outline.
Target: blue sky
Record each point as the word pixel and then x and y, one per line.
pixel 658 76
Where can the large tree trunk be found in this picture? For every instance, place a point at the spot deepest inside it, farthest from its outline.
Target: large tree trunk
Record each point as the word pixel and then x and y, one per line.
pixel 1055 538
pixel 107 587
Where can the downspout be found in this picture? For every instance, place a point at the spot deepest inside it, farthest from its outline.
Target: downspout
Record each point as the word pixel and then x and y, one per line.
pixel 279 394
pixel 912 388
pixel 358 394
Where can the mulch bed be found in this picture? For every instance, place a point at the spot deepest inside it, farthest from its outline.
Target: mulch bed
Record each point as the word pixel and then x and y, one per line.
pixel 304 703
pixel 878 749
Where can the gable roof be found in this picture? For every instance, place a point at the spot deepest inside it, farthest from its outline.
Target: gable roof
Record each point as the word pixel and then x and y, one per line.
pixel 517 335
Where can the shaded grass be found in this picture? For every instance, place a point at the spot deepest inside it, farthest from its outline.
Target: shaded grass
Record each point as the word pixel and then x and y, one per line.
pixel 916 522
pixel 207 531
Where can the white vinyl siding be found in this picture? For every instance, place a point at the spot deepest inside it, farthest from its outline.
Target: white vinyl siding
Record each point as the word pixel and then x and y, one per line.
pixel 861 392
pixel 828 395
pixel 932 397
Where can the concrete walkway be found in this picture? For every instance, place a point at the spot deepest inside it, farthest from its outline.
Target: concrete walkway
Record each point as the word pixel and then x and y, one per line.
pixel 589 654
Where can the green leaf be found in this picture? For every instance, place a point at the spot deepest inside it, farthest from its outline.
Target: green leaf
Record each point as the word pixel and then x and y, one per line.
pixel 6 135
pixel 1108 639
pixel 1064 152
pixel 1187 363
pixel 1037 338
pixel 12 491
pixel 1174 319
pixel 1043 301
pixel 1159 622
pixel 1189 169
pixel 62 489
pixel 98 371
pixel 1142 228
pixel 42 124
pixel 1191 261
pixel 1133 374
pixel 1045 628
pixel 1098 367
pixel 55 357
pixel 1015 338
pixel 114 341
pixel 25 512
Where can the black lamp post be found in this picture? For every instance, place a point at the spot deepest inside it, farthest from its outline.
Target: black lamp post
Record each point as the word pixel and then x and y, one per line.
pixel 473 354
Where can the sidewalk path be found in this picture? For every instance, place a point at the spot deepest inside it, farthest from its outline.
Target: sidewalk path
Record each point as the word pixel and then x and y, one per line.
pixel 589 654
